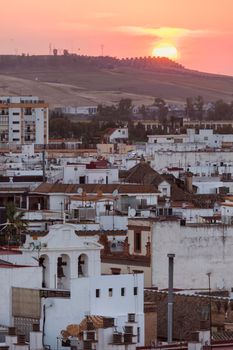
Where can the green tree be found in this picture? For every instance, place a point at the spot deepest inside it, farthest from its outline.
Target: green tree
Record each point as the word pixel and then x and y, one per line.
pixel 222 110
pixel 61 127
pixel 106 112
pixel 189 106
pixel 143 110
pixel 15 222
pixel 124 108
pixel 162 108
pixel 198 105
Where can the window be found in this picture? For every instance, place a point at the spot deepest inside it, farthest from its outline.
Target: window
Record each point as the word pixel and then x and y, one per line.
pixel 97 293
pixel 164 190
pixel 15 122
pixel 110 292
pixel 137 242
pixel 135 291
pixel 138 271
pixel 122 292
pixel 15 113
pixel 115 271
pixel 15 130
pixel 15 139
pixel 82 179
pixel 138 334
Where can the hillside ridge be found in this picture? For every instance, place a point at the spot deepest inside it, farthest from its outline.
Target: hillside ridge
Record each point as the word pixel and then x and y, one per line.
pixel 86 80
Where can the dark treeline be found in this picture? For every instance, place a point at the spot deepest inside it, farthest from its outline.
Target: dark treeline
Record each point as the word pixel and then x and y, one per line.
pixel 69 61
pixel 218 110
pixel 119 115
pixel 90 133
pixel 195 108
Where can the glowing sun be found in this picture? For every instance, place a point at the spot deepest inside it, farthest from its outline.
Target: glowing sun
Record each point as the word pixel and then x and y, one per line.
pixel 165 50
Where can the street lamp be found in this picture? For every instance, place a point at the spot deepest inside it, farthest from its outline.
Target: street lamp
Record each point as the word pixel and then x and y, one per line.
pixel 210 311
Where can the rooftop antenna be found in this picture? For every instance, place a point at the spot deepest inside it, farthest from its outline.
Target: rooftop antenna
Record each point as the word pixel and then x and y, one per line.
pixel 115 194
pixel 50 49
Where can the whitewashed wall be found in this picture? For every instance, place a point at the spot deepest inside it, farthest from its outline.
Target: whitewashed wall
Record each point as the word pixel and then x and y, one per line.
pixel 199 249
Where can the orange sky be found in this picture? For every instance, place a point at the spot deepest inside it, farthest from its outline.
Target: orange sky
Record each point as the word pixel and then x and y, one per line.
pixel 202 30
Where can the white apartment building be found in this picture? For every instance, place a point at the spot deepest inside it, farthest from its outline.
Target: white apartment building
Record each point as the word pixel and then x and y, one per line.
pixel 23 120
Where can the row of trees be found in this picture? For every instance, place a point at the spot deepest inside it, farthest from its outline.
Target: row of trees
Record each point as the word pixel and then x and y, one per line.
pixel 94 131
pixel 122 111
pixel 219 110
pixel 195 108
pixel 89 132
pixel 114 116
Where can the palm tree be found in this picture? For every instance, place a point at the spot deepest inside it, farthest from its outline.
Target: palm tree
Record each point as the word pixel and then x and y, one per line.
pixel 15 224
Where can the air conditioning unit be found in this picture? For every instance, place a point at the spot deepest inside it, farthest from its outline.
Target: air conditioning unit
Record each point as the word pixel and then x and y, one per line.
pixel 131 317
pixel 117 338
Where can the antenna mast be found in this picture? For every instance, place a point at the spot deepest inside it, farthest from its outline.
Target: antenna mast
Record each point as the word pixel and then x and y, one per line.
pixel 102 49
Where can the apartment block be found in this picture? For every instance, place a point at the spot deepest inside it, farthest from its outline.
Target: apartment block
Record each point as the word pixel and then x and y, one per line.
pixel 23 120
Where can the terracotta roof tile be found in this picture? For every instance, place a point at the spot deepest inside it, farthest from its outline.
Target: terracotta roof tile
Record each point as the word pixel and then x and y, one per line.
pixel 142 173
pixel 95 188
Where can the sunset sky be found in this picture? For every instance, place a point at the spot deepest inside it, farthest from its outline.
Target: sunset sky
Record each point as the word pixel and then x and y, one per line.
pixel 201 30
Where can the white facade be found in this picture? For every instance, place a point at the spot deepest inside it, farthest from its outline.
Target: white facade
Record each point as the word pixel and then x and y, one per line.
pixel 202 139
pixel 23 120
pixel 211 185
pixel 85 110
pixel 119 134
pixel 193 215
pixel 202 153
pixel 63 242
pixel 198 249
pixel 72 263
pixel 79 173
pixel 15 276
pixel 185 159
pixel 165 189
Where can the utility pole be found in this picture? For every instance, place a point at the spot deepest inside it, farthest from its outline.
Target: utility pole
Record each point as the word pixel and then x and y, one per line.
pixel 43 164
pixel 210 311
pixel 170 297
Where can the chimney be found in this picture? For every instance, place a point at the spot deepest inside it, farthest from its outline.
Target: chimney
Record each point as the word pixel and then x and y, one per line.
pixel 21 343
pixel 170 297
pixel 188 181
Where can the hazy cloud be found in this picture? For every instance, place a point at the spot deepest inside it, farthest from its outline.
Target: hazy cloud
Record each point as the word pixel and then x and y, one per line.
pixel 162 32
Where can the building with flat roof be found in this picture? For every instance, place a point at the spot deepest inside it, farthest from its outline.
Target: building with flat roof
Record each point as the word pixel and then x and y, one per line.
pixel 23 120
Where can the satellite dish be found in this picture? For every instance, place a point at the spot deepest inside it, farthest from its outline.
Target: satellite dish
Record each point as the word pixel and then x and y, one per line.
pixel 115 193
pixel 132 213
pixel 80 191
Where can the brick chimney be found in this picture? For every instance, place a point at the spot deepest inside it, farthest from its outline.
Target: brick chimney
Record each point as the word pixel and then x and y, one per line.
pixel 188 182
